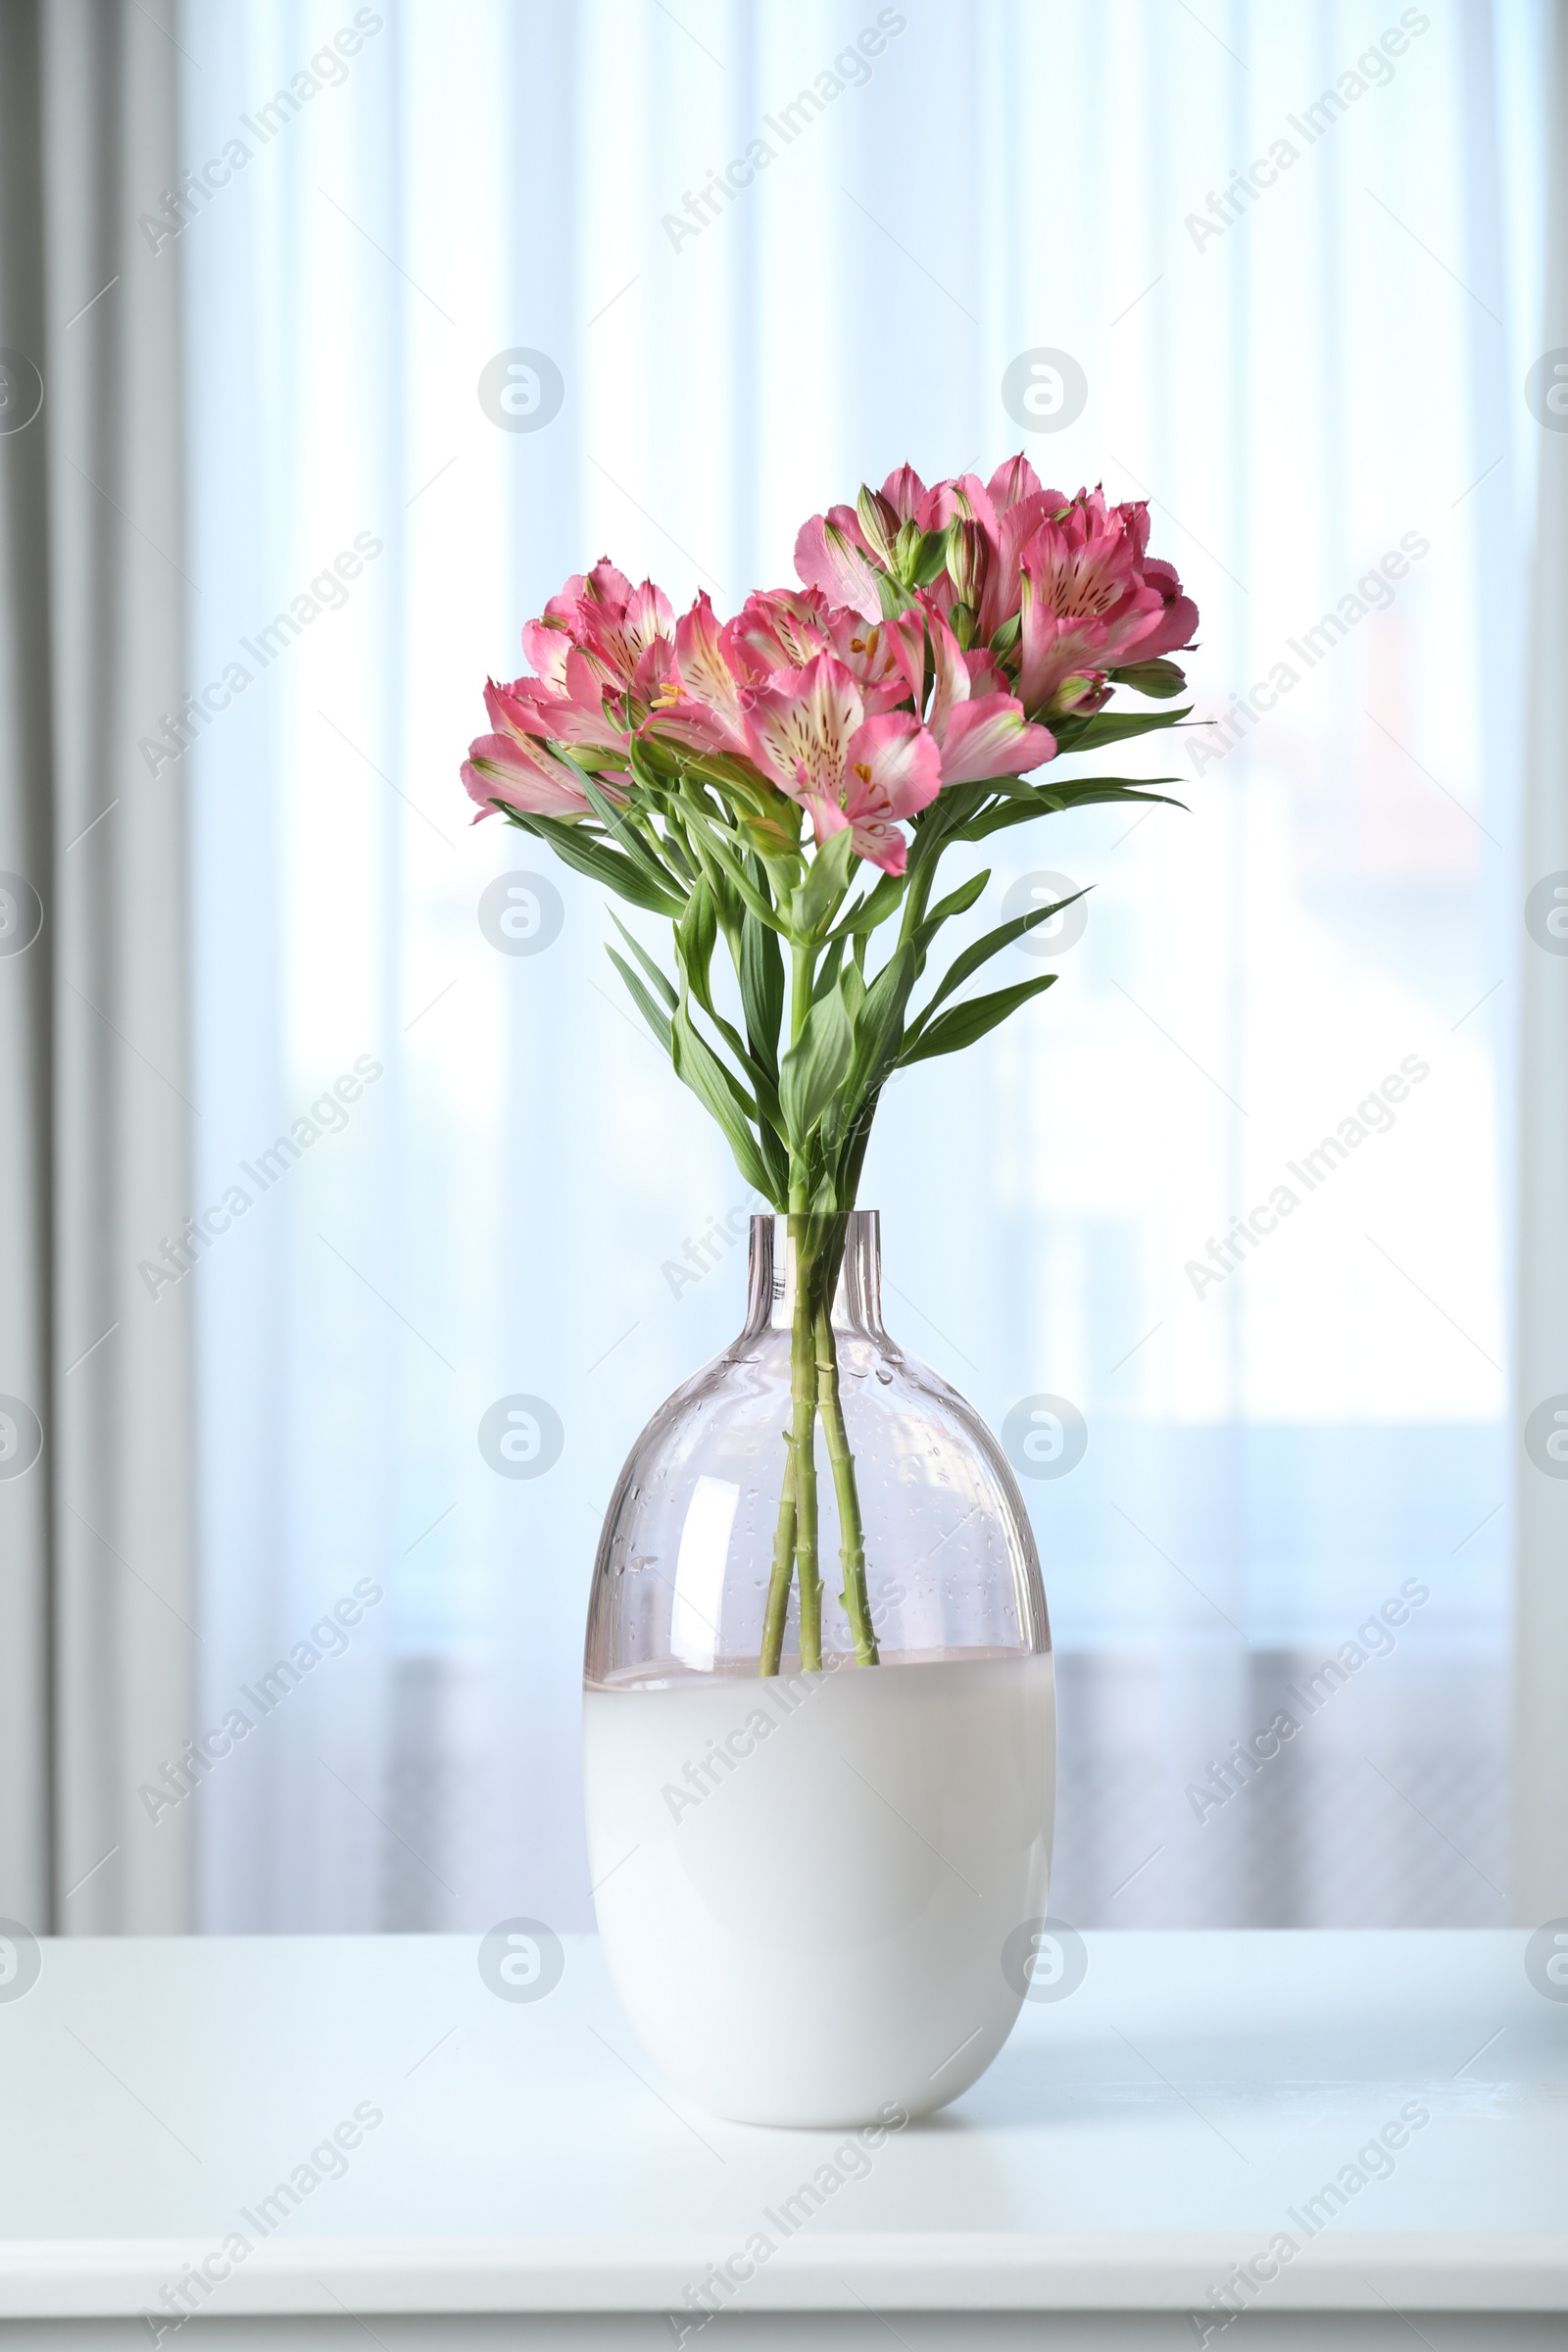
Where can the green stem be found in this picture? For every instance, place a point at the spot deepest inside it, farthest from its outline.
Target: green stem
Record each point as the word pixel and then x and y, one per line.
pixel 854 1598
pixel 802 974
pixel 795 1537
pixel 778 1585
pixel 802 1446
pixel 917 897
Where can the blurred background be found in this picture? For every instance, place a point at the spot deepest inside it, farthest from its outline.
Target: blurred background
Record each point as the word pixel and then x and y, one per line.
pixel 504 291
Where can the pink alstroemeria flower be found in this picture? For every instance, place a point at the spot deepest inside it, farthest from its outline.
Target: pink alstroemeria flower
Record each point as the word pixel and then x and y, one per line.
pixel 786 628
pixel 1090 602
pixel 700 707
pixel 621 626
pixel 599 642
pixel 1077 568
pixel 833 553
pixel 810 734
pixel 978 734
pixel 716 670
pixel 588 708
pixel 994 524
pixel 514 766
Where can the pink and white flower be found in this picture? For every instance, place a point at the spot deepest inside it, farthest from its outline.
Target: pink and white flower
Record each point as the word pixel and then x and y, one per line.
pixel 628 632
pixel 514 766
pixel 601 646
pixel 1072 573
pixel 716 670
pixel 1090 601
pixel 810 734
pixel 978 734
pixel 700 707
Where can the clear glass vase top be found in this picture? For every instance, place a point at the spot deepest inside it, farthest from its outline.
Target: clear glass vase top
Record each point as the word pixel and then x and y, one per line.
pixel 942 1562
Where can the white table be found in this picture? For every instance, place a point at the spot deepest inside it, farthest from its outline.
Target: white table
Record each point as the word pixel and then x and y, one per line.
pixel 1170 2117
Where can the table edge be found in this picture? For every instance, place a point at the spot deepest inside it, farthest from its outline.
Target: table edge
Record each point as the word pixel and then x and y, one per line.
pixel 1441 2271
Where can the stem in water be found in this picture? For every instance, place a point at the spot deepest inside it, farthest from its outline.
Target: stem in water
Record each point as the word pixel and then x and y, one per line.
pixel 778 1584
pixel 803 1442
pixel 853 1597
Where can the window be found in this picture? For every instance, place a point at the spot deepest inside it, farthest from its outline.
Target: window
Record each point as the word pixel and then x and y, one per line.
pixel 1236 1188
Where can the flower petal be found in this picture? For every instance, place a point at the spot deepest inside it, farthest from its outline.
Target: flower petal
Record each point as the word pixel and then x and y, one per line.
pixel 1014 478
pixel 952 675
pixel 966 496
pixel 827 557
pixel 547 644
pixel 782 629
pixel 799 727
pixel 1177 625
pixel 990 736
pixel 894 769
pixel 904 491
pixel 522 773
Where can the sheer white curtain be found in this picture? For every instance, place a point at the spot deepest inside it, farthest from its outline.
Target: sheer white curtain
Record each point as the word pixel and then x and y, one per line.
pixel 1314 372
pixel 1541 1746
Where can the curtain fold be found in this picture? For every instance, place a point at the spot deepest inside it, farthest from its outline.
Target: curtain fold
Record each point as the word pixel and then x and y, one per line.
pixel 97 1638
pixel 1540 1708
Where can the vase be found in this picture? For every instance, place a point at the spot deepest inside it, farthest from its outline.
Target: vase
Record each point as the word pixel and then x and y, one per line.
pixel 819 1814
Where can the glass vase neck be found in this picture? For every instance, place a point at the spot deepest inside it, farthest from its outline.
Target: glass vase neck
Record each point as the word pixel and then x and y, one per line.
pixel 850 1239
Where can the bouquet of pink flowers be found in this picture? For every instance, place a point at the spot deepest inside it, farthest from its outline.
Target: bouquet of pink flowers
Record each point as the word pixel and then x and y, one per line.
pixel 944 644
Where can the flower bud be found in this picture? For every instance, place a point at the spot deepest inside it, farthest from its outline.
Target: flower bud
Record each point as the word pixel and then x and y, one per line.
pixel 967 561
pixel 879 520
pixel 905 547
pixel 1080 694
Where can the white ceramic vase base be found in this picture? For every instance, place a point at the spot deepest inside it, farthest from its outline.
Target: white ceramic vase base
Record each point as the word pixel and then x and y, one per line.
pixel 808 1883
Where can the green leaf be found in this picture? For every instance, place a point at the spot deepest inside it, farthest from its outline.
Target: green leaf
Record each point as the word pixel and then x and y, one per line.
pixel 1076 792
pixel 658 1021
pixel 894 598
pixel 696 936
pixel 879 1029
pixel 716 1090
pixel 589 856
pixel 852 988
pixel 981 952
pixel 939 820
pixel 761 981
pixel 652 870
pixel 827 879
pixel 1051 801
pixel 827 972
pixel 965 1023
pixel 930 559
pixel 776 1156
pixel 665 988
pixel 875 908
pixel 957 901
pixel 723 859
pixel 813 1070
pixel 1115 726
pixel 1160 679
